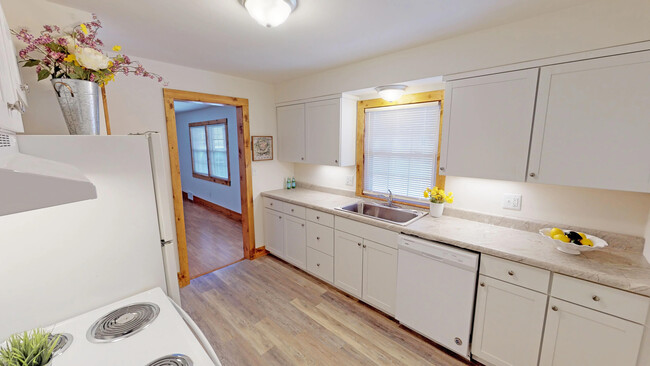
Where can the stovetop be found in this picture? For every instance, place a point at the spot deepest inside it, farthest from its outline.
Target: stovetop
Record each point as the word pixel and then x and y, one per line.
pixel 164 339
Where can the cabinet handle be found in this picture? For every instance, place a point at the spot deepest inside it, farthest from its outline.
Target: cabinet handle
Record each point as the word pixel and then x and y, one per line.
pixel 302 158
pixel 358 244
pixel 318 238
pixel 317 264
pixel 554 308
pixel 279 217
pixel 364 245
pixel 336 161
pixel 442 168
pixel 317 217
pixel 511 273
pixel 17 106
pixel 482 284
pixel 271 204
pixel 303 225
pixel 532 174
pixel 292 210
pixel 596 298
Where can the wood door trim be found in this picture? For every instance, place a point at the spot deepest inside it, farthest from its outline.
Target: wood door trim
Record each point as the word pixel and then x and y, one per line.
pixel 245 173
pixel 362 105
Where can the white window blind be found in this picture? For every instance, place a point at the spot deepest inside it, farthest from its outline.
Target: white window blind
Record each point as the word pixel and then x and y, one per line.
pixel 401 146
pixel 218 151
pixel 199 150
pixel 209 142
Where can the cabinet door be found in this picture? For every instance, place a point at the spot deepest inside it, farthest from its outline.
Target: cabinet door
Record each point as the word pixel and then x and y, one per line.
pixel 274 232
pixel 295 241
pixel 348 261
pixel 487 123
pixel 10 82
pixel 508 323
pixel 323 121
pixel 379 276
pixel 291 133
pixel 575 335
pixel 591 124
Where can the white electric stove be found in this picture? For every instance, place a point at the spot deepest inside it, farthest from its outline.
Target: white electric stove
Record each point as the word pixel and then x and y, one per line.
pixel 147 329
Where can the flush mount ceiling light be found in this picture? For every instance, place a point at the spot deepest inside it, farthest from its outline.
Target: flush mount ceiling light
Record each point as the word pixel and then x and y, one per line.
pixel 269 13
pixel 391 93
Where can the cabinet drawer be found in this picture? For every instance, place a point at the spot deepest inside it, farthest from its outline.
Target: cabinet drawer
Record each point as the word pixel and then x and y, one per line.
pixel 293 210
pixel 516 273
pixel 320 238
pixel 602 298
pixel 320 265
pixel 273 204
pixel 320 217
pixel 376 234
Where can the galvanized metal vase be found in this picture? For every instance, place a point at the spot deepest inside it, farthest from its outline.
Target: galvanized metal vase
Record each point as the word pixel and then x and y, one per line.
pixel 79 101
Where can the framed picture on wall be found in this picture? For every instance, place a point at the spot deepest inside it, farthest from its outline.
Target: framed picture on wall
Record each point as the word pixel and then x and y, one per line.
pixel 262 148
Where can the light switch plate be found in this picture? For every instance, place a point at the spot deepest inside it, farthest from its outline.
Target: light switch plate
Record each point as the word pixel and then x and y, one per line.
pixel 512 201
pixel 349 180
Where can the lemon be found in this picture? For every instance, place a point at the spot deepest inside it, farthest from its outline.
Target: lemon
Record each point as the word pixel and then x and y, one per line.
pixel 583 235
pixel 561 237
pixel 555 231
pixel 587 242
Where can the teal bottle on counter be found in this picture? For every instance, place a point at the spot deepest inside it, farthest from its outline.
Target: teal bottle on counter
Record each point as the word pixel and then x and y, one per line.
pixel 293 182
pixel 288 183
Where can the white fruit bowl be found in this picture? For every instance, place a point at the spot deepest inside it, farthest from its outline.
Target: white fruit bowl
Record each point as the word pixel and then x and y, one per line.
pixel 571 248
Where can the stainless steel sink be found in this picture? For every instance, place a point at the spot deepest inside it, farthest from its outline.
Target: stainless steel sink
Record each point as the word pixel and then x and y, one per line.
pixel 393 215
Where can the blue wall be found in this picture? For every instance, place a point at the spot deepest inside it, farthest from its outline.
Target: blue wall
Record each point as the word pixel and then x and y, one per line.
pixel 222 195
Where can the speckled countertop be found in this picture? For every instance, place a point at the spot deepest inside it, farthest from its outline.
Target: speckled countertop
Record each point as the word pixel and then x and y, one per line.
pixel 616 267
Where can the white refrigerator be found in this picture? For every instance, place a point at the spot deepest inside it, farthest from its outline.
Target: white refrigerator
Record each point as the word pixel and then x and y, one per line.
pixel 61 261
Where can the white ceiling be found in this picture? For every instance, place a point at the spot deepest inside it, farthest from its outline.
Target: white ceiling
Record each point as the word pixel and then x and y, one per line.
pixel 187 106
pixel 219 35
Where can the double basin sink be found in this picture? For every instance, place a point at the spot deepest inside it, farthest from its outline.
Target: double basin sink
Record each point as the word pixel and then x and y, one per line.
pixel 393 215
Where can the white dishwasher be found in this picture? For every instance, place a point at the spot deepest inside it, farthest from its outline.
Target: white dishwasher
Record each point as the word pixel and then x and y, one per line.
pixel 436 287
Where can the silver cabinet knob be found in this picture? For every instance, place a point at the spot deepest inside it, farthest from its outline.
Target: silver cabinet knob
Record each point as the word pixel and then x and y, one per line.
pixel 317 217
pixel 317 264
pixel 279 217
pixel 532 174
pixel 302 158
pixel 303 225
pixel 596 298
pixel 511 273
pixel 554 308
pixel 271 204
pixel 442 168
pixel 318 238
pixel 482 284
pixel 336 161
pixel 358 244
pixel 364 245
pixel 292 210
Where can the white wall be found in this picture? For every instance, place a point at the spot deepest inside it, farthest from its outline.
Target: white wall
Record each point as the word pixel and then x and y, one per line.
pixel 646 250
pixel 136 104
pixel 228 196
pixel 595 24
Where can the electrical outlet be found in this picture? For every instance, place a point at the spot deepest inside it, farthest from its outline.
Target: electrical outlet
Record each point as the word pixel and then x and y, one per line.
pixel 512 201
pixel 349 180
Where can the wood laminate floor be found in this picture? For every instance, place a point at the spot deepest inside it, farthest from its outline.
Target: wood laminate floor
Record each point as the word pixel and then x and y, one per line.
pixel 213 239
pixel 267 312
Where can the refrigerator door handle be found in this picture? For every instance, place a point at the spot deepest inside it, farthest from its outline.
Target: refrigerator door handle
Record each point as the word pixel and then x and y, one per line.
pixel 165 242
pixel 195 329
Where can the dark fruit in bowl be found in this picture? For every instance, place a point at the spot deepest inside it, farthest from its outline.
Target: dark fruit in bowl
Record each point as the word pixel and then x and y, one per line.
pixel 573 236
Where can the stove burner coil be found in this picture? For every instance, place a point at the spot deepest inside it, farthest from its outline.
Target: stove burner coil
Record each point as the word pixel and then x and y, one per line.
pixel 172 360
pixel 64 341
pixel 123 322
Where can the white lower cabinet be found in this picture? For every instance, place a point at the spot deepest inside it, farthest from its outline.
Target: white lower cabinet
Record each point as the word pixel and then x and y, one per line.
pixel 576 335
pixel 348 260
pixel 320 265
pixel 274 232
pixel 379 276
pixel 508 323
pixel 295 243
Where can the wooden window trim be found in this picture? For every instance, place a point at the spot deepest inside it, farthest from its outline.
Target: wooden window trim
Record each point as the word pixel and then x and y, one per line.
pixel 426 97
pixel 209 177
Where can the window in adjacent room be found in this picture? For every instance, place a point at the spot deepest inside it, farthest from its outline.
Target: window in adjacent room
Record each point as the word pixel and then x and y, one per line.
pixel 209 144
pixel 400 148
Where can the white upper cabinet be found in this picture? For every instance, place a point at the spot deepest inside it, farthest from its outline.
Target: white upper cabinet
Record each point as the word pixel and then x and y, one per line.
pixel 291 133
pixel 321 132
pixel 12 95
pixel 591 124
pixel 487 123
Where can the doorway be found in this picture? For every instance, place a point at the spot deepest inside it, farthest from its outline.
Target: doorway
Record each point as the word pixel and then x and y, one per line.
pixel 206 222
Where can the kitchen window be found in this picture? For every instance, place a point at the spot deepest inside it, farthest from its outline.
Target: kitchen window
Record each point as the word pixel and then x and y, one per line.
pixel 209 144
pixel 400 145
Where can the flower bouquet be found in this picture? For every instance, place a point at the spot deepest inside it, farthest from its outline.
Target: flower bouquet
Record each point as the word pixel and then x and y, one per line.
pixel 437 198
pixel 75 62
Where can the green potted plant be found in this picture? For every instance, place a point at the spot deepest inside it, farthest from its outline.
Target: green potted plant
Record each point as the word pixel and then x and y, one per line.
pixel 33 348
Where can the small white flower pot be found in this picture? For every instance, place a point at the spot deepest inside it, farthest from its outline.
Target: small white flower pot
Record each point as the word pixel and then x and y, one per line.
pixel 435 209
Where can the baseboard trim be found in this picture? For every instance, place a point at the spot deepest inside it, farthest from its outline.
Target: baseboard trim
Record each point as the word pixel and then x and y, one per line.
pixel 213 206
pixel 260 252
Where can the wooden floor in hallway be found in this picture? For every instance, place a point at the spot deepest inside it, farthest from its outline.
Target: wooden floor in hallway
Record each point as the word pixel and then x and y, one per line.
pixel 267 312
pixel 213 239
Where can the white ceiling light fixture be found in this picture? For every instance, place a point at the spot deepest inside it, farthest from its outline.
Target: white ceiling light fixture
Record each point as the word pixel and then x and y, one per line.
pixel 391 93
pixel 270 13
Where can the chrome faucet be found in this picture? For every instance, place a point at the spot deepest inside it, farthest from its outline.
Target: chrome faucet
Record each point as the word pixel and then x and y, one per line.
pixel 389 199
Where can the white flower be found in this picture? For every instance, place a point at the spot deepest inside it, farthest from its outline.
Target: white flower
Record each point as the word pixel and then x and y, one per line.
pixel 70 44
pixel 91 59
